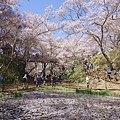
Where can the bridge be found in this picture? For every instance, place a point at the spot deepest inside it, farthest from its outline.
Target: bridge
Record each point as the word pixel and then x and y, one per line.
pixel 42 59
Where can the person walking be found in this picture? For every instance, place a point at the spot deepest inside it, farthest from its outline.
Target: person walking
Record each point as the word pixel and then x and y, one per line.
pixel 53 80
pixel 39 81
pixel 24 81
pixel 91 67
pixel 0 78
pixel 87 81
pixel 115 73
pixel 44 80
pixel 109 72
pixel 35 77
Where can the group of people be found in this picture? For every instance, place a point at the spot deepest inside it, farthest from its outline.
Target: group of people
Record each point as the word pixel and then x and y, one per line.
pixel 87 66
pixel 52 79
pixel 39 80
pixel 109 72
pixel 45 79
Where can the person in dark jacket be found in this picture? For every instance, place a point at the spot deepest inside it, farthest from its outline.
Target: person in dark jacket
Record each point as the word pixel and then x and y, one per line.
pixel 39 81
pixel 53 80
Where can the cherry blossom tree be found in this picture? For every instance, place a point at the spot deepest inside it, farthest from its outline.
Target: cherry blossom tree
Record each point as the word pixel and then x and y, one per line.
pixel 89 26
pixel 37 36
pixel 113 32
pixel 89 18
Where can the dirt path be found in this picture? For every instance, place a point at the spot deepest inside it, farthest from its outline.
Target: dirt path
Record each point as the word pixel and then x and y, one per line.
pixel 95 84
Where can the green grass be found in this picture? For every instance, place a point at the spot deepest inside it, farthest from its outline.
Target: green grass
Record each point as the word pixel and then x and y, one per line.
pixel 13 94
pixel 1 95
pixel 64 89
pixel 60 88
pixel 17 94
pixel 97 92
pixel 79 91
pixel 91 92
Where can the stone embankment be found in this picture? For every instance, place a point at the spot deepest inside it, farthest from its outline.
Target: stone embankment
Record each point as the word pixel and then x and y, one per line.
pixel 59 106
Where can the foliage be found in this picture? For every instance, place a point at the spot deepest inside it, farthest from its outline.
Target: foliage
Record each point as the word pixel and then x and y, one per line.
pixel 77 74
pixel 115 56
pixel 10 73
pixel 1 95
pixel 16 68
pixel 99 61
pixel 13 94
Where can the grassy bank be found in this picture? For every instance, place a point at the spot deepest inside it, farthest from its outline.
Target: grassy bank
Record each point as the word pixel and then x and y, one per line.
pixel 61 89
pixel 57 88
pixel 97 92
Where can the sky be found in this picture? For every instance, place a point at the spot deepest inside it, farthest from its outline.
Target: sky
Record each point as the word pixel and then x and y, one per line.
pixel 38 6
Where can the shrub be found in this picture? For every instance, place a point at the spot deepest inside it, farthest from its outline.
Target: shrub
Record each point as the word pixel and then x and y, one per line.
pixel 77 74
pixel 17 94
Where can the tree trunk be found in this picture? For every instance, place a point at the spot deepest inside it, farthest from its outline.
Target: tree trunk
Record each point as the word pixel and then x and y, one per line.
pixel 32 68
pixel 107 58
pixel 51 69
pixel 44 68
